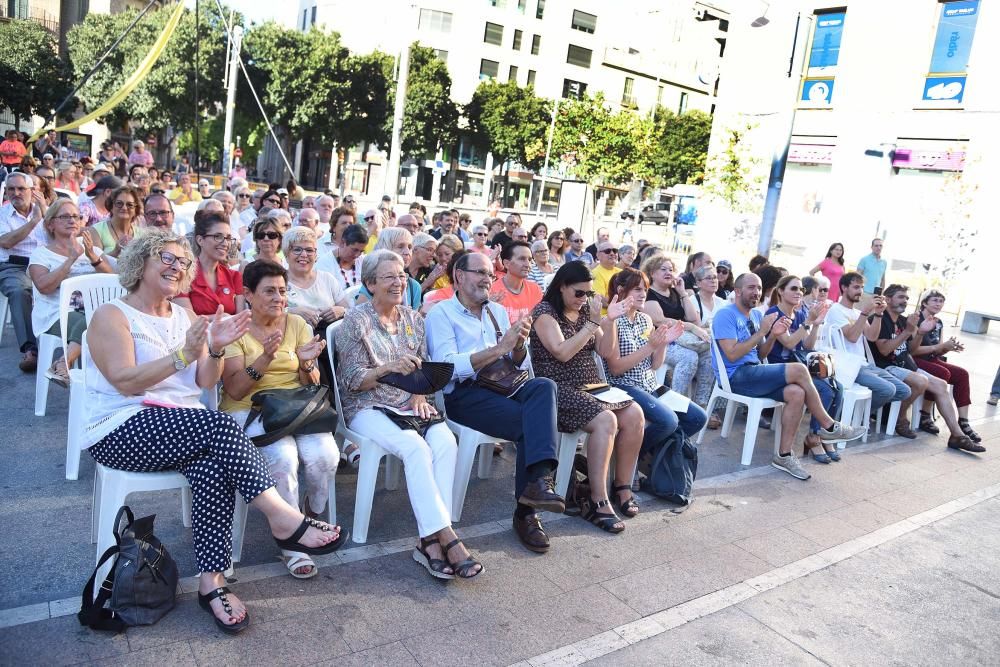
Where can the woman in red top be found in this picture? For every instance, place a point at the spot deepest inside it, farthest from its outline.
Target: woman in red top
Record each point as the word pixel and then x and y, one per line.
pixel 215 283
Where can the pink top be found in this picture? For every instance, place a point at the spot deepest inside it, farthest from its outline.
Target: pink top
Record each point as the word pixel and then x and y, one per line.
pixel 833 270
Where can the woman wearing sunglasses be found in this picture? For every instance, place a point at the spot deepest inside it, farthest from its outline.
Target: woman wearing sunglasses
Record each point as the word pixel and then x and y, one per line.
pixel 557 248
pixel 568 327
pixel 267 235
pixel 215 284
pixel 802 336
pixel 113 234
pixel 382 336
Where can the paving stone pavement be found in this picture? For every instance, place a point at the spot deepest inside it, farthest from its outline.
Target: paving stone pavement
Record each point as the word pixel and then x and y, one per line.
pixel 373 605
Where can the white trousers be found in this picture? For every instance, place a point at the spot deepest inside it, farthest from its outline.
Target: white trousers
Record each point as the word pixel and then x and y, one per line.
pixel 429 465
pixel 318 453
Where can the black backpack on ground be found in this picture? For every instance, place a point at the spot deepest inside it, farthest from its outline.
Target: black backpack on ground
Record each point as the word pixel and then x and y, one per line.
pixel 142 584
pixel 670 468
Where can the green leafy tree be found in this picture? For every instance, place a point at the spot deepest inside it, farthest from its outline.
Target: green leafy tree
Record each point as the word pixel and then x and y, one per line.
pixel 35 78
pixel 599 145
pixel 511 122
pixel 734 178
pixel 430 116
pixel 680 147
pixel 165 96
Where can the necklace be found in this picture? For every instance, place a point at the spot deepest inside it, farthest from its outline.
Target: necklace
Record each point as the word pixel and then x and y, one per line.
pixel 354 276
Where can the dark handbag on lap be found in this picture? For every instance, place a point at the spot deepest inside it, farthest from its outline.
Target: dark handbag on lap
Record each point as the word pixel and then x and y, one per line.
pixel 142 584
pixel 432 376
pixel 502 376
pixel 411 422
pixel 298 411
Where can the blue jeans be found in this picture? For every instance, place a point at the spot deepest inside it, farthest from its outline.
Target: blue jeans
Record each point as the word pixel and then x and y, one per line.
pixel 832 400
pixel 528 419
pixel 884 385
pixel 661 421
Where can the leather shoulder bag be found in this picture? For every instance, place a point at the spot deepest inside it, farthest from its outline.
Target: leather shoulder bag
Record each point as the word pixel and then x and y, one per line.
pixel 502 376
pixel 298 411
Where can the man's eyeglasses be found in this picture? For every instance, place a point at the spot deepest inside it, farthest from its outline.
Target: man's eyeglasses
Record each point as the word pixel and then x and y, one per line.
pixel 711 277
pixel 157 214
pixel 169 259
pixel 220 238
pixel 299 250
pixel 483 273
pixel 576 240
pixel 270 236
pixel 580 293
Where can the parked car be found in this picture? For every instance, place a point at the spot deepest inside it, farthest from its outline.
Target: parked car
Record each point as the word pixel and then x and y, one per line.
pixel 657 213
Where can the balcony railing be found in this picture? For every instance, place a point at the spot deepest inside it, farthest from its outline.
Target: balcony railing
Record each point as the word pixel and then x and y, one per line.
pixel 48 21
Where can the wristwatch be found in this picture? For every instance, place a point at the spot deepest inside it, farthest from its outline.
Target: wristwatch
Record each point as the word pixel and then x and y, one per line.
pixel 180 363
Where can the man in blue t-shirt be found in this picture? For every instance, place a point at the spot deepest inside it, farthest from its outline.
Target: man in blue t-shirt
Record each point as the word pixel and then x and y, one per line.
pixel 743 341
pixel 872 267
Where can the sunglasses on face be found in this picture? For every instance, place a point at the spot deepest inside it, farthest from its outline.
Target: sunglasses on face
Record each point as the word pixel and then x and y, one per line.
pixel 580 293
pixel 270 236
pixel 824 289
pixel 723 271
pixel 610 251
pixel 576 240
pixel 244 196
pixel 369 218
pixel 272 200
pixel 481 234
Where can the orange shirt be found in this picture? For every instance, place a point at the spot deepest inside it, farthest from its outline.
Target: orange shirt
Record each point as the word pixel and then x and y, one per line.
pixel 517 305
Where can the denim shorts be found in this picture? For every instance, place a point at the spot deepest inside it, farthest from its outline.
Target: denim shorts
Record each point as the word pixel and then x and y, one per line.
pixel 898 372
pixel 760 381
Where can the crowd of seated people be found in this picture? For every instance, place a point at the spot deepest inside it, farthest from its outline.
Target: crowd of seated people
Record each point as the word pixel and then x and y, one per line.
pixel 244 303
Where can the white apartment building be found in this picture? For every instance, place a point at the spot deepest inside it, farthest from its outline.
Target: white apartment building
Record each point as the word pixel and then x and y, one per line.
pixel 893 109
pixel 637 54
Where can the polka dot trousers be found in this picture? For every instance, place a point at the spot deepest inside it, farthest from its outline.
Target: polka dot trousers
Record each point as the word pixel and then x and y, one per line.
pixel 210 449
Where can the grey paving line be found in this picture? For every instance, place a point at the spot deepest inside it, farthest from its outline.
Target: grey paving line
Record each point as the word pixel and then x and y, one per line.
pixel 41 611
pixel 625 635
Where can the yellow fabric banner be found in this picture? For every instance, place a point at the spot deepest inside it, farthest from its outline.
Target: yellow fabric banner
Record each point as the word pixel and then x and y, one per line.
pixel 138 75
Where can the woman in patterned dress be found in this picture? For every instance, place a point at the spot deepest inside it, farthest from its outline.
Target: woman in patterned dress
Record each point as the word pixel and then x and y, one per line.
pixel 567 327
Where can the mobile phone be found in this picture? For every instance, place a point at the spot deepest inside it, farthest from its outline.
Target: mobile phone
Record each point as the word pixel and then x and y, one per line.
pixel 661 390
pixel 878 291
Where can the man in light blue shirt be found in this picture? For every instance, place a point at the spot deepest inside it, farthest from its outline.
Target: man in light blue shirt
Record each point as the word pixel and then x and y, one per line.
pixel 743 342
pixel 576 253
pixel 873 267
pixel 463 331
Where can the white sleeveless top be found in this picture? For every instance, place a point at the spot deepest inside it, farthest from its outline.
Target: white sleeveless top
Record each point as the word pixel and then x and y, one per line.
pixel 154 337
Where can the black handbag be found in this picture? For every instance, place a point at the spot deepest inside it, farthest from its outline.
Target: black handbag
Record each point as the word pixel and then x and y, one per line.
pixel 432 376
pixel 502 376
pixel 298 411
pixel 142 584
pixel 411 422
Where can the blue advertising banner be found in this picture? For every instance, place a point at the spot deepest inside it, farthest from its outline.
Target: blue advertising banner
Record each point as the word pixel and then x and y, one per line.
pixel 953 42
pixel 826 40
pixel 817 91
pixel 944 88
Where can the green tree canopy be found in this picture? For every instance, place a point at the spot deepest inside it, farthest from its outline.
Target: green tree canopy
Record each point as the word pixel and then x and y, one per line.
pixel 430 116
pixel 165 97
pixel 680 147
pixel 511 122
pixel 35 78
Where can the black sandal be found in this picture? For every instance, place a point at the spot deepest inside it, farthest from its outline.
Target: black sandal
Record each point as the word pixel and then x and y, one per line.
pixel 629 508
pixel 927 424
pixel 230 629
pixel 968 431
pixel 462 568
pixel 610 523
pixel 292 543
pixel 435 566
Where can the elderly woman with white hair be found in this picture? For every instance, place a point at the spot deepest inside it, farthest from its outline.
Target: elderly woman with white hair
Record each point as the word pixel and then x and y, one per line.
pixel 540 264
pixel 386 336
pixel 400 242
pixel 148 361
pixel 479 235
pixel 313 295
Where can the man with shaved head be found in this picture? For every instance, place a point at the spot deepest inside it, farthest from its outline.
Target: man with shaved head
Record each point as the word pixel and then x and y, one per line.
pixel 325 206
pixel 408 222
pixel 744 338
pixel 308 217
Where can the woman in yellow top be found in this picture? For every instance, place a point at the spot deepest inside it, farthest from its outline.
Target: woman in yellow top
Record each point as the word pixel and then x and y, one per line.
pixel 279 352
pixel 448 245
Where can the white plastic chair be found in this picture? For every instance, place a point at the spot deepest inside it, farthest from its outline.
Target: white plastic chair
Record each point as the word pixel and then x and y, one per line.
pixel 470 441
pixel 754 405
pixel 97 289
pixel 4 314
pixel 371 455
pixel 113 487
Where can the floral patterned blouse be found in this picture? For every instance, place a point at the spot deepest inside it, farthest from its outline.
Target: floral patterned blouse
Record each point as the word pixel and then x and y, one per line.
pixel 364 343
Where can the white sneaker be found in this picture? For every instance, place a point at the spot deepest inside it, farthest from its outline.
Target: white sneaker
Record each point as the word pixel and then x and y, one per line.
pixel 790 464
pixel 840 431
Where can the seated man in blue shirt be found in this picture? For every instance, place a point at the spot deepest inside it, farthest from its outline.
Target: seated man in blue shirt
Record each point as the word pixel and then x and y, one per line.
pixel 743 341
pixel 461 331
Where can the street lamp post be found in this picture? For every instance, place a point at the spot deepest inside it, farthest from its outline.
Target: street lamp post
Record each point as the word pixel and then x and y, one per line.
pixel 779 157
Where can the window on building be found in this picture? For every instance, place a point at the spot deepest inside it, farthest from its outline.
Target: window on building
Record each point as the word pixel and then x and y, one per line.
pixel 540 9
pixel 432 19
pixel 499 4
pixel 488 69
pixel 17 9
pixel 494 34
pixel 517 40
pixel 512 73
pixel 312 16
pixel 573 89
pixel 521 5
pixel 659 96
pixel 531 77
pixel 682 106
pixel 579 56
pixel 584 22
pixel 824 52
pixel 947 73
pixel 536 43
pixel 441 55
pixel 628 93
pixel 305 16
